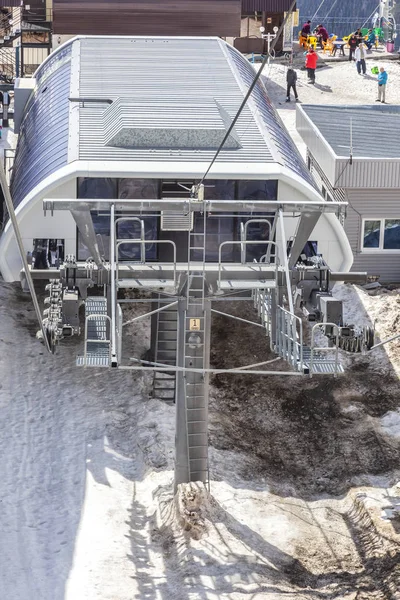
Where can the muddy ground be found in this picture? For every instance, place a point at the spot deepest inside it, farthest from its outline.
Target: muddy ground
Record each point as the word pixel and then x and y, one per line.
pixel 311 438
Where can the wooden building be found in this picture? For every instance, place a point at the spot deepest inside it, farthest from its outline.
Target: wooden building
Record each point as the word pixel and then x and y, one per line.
pixel 269 14
pixel 147 17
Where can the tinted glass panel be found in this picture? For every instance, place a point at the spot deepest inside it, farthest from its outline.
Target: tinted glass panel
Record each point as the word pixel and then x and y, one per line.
pixel 371 234
pixel 148 189
pixel 101 188
pixel 219 189
pixel 47 253
pixel 391 238
pixel 257 190
pixel 138 188
pixel 101 224
pixel 218 230
pixel 97 187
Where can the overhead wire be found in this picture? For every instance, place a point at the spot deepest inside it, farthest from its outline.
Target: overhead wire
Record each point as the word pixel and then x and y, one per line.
pixel 371 15
pixel 329 12
pixel 316 12
pixel 248 94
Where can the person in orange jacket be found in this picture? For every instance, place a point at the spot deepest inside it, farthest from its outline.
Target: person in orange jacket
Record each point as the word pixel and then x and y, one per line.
pixel 311 64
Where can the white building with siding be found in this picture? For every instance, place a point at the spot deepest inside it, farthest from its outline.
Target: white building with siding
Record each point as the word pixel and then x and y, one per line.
pixel 353 153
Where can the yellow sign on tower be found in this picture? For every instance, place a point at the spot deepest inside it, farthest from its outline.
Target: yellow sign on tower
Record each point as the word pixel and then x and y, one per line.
pixel 194 324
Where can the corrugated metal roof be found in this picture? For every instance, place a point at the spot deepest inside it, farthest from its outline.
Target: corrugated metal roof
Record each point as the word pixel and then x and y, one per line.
pixel 370 126
pixel 287 152
pixel 265 5
pixel 43 141
pixel 194 72
pixel 176 70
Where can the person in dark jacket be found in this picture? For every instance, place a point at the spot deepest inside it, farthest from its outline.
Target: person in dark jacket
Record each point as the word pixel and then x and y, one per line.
pixel 291 79
pixel 306 30
pixel 322 34
pixel 359 36
pixel 352 45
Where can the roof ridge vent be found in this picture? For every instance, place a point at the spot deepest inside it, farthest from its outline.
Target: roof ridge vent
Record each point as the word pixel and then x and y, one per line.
pixel 184 124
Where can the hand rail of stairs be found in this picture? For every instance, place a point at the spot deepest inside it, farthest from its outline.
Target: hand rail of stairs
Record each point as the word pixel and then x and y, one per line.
pixel 290 337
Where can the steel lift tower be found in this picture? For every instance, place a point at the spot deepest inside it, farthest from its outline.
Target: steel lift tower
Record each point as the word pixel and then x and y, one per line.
pixel 284 285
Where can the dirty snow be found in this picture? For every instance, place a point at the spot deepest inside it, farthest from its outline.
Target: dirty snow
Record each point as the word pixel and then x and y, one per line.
pixel 87 506
pixel 391 423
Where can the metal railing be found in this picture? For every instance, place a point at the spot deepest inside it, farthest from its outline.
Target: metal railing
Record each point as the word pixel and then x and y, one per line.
pixel 142 243
pixel 289 338
pixel 243 234
pixel 9 63
pixel 9 158
pixel 262 303
pixel 119 241
pixel 37 16
pixel 256 265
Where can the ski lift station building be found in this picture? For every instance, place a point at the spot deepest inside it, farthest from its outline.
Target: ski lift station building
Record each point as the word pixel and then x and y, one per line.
pixel 142 117
pixel 347 166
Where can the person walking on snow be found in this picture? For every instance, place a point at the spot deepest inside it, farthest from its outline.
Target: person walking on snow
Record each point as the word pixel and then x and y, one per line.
pixel 352 45
pixel 291 78
pixel 382 81
pixel 360 58
pixel 311 64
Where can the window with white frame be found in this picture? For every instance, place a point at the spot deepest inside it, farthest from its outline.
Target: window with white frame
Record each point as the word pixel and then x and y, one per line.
pixel 381 234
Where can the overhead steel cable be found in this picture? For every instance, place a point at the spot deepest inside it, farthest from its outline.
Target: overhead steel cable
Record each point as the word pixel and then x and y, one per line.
pixel 249 92
pixel 316 12
pixel 371 15
pixel 330 10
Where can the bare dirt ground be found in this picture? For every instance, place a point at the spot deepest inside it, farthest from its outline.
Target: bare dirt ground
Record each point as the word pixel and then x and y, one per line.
pixel 314 439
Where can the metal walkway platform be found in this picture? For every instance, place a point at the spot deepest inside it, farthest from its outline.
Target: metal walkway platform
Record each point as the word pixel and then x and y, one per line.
pixel 97 342
pixel 321 364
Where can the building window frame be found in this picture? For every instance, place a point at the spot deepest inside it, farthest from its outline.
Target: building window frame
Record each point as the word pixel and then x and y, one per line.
pixel 379 249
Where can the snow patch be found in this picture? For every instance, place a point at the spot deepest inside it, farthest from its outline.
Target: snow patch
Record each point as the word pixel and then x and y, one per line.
pixel 390 423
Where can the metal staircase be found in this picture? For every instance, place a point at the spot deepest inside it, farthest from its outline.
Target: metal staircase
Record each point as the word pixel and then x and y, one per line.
pixel 196 383
pixel 10 30
pixel 289 343
pixel 164 383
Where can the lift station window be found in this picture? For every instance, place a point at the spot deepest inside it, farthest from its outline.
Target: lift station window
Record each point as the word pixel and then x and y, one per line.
pixel 92 187
pixel 219 228
pixel 47 253
pixel 258 190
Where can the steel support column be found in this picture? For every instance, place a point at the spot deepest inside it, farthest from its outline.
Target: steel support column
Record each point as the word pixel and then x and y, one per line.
pixel 192 394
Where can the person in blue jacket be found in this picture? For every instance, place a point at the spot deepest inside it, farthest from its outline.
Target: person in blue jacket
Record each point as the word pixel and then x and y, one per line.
pixel 382 81
pixel 370 41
